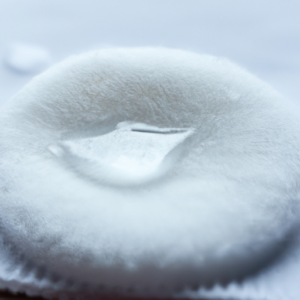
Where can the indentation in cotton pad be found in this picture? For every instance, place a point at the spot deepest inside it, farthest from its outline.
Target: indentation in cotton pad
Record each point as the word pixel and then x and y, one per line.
pixel 91 206
pixel 133 153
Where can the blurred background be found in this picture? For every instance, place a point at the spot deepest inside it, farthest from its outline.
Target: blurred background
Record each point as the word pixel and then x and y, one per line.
pixel 261 35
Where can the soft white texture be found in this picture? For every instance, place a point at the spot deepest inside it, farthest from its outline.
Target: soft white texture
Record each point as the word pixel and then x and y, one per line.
pixel 279 281
pixel 221 200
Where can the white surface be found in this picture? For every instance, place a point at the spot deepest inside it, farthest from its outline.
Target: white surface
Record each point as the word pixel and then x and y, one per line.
pixel 263 36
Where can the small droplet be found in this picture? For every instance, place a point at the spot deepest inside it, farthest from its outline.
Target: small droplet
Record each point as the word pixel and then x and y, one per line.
pixel 27 59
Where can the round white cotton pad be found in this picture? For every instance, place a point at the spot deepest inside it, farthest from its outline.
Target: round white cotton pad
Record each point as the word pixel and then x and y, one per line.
pixel 146 171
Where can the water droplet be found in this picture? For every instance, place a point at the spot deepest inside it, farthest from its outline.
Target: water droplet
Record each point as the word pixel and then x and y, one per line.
pixel 24 58
pixel 131 154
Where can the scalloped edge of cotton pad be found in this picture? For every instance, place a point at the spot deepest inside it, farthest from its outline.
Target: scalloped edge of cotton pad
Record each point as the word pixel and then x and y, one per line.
pixel 23 277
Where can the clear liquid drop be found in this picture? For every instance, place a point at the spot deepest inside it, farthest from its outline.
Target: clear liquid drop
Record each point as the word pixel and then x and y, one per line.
pixel 132 154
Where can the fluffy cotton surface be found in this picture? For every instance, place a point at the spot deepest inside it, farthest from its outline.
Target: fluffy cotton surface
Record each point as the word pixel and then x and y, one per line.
pixel 145 171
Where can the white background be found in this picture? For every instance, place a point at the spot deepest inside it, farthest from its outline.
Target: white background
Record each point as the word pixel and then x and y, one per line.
pixel 261 35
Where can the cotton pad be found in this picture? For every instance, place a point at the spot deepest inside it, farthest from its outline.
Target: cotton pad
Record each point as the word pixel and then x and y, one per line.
pixel 143 172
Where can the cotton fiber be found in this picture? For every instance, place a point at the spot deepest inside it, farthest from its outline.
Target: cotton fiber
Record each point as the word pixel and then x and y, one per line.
pixel 145 172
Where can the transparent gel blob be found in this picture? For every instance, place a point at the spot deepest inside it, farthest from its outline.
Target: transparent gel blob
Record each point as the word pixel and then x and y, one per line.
pixel 132 154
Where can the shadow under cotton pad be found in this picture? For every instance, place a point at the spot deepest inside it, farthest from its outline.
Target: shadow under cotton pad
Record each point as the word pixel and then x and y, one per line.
pixel 144 172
